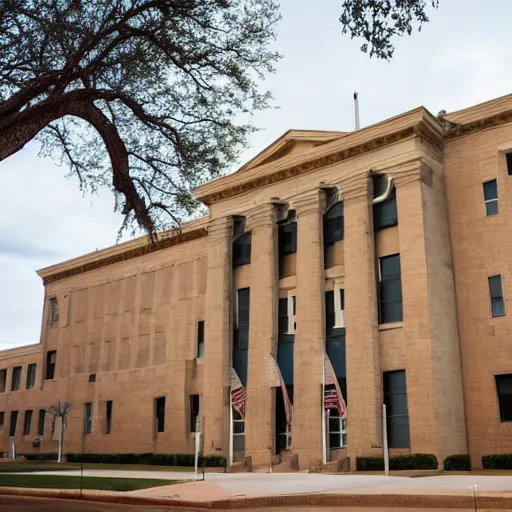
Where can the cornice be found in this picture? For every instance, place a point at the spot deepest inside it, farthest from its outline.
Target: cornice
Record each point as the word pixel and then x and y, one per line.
pixel 481 124
pixel 141 250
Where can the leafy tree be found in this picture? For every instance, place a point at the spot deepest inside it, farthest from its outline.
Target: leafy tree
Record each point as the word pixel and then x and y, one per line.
pixel 149 97
pixel 378 21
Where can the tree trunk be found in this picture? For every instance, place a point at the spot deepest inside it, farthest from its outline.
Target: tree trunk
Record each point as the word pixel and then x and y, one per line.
pixel 61 439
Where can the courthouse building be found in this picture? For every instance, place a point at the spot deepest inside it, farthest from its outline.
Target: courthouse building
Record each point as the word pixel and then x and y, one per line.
pixel 388 247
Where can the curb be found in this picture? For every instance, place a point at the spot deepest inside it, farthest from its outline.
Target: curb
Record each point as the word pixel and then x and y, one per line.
pixel 290 500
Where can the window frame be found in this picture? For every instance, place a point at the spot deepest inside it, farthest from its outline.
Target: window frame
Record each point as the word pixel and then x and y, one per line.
pixel 31 376
pixel 292 312
pixel 27 422
pixel 392 416
pixel 504 418
pixel 53 312
pixel 341 430
pixel 508 161
pixel 13 425
pixel 17 371
pixel 398 279
pixel 88 418
pixel 381 221
pixel 160 420
pixel 109 408
pixel 200 339
pixel 330 218
pixel 50 367
pixel 491 200
pixel 497 297
pixel 241 256
pixel 40 422
pixel 194 412
pixel 3 380
pixel 2 418
pixel 285 228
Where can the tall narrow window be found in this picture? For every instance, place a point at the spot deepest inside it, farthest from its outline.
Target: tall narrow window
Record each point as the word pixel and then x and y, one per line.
pixel 160 414
pixel 504 389
pixel 241 334
pixel 395 398
pixel 200 338
pixel 333 224
pixel 2 418
pixel 88 418
pixel 194 412
pixel 3 380
pixel 390 290
pixel 491 197
pixel 51 359
pixel 287 238
pixel 31 375
pixel 286 337
pixel 14 421
pixel 496 292
pixel 242 250
pixel 16 378
pixel 53 312
pixel 509 162
pixel 384 213
pixel 27 423
pixel 40 422
pixel 108 417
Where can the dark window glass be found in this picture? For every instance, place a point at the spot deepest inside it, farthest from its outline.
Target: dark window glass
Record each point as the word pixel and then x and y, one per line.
pixel 92 377
pixel 194 412
pixel 40 422
pixel 496 292
pixel 330 318
pixel 287 238
pixel 53 311
pixel 2 418
pixel 283 438
pixel 285 343
pixel 88 418
pixel 509 163
pixel 504 388
pixel 108 417
pixel 3 380
pixel 16 378
pixel 31 376
pixel 491 197
pixel 390 290
pixel 384 213
pixel 160 414
pixel 14 421
pixel 335 348
pixel 395 398
pixel 51 359
pixel 200 338
pixel 241 335
pixel 242 250
pixel 283 316
pixel 27 423
pixel 333 224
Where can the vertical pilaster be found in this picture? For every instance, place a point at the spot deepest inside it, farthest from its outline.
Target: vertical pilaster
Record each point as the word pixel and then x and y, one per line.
pixel 364 388
pixel 309 334
pixel 262 333
pixel 217 360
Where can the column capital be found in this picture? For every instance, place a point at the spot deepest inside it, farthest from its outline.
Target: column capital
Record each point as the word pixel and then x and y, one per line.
pixel 356 187
pixel 263 215
pixel 220 227
pixel 418 172
pixel 309 202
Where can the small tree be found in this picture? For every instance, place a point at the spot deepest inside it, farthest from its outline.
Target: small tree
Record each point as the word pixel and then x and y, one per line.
pixel 60 410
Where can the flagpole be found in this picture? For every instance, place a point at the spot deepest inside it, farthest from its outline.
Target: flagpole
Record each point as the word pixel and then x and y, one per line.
pixel 230 426
pixel 324 440
pixel 385 440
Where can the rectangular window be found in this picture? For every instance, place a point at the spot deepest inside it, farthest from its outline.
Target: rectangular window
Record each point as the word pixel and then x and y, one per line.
pixel 496 292
pixel 491 197
pixel 88 418
pixel 194 412
pixel 242 250
pixel 241 334
pixel 509 163
pixel 384 213
pixel 333 224
pixel 31 375
pixel 2 418
pixel 200 338
pixel 108 417
pixel 40 422
pixel 92 377
pixel 287 238
pixel 53 313
pixel 3 380
pixel 395 398
pixel 27 423
pixel 160 414
pixel 390 290
pixel 16 378
pixel 286 337
pixel 14 421
pixel 337 430
pixel 51 359
pixel 504 389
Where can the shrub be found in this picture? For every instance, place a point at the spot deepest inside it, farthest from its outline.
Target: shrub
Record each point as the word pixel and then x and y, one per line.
pixel 502 461
pixel 457 463
pixel 39 456
pixel 157 459
pixel 397 463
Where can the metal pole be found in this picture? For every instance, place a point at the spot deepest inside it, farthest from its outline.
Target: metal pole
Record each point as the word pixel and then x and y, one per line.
pixel 197 448
pixel 356 107
pixel 385 440
pixel 230 427
pixel 324 437
pixel 81 477
pixel 474 499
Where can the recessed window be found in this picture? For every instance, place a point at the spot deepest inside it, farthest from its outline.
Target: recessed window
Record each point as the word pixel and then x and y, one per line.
pixel 509 162
pixel 3 380
pixel 160 414
pixel 496 293
pixel 16 378
pixel 504 389
pixel 286 337
pixel 384 213
pixel 14 422
pixel 108 417
pixel 337 430
pixel 53 312
pixel 390 290
pixel 27 423
pixel 397 412
pixel 288 237
pixel 40 422
pixel 241 334
pixel 92 377
pixel 88 417
pixel 51 360
pixel 333 224
pixel 31 375
pixel 194 413
pixel 2 418
pixel 242 250
pixel 200 338
pixel 491 197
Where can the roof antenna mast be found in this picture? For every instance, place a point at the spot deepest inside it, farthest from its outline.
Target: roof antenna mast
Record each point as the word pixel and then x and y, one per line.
pixel 356 107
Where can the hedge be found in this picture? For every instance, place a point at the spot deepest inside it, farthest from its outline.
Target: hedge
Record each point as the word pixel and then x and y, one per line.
pixel 457 463
pixel 503 461
pixel 38 456
pixel 157 459
pixel 399 462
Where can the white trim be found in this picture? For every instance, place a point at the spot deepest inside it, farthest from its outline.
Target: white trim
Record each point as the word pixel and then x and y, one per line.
pixel 291 316
pixel 342 426
pixel 236 309
pixel 339 313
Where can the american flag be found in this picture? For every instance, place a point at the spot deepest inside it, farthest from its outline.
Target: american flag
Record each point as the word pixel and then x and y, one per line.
pixel 276 378
pixel 238 394
pixel 333 397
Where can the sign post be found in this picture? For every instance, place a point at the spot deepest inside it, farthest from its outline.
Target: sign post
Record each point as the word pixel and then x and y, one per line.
pixel 197 447
pixel 13 447
pixel 385 440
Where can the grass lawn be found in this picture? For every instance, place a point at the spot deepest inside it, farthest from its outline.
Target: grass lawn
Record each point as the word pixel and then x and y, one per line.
pixel 73 482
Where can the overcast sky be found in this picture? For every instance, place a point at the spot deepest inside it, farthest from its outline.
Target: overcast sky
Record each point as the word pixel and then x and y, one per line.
pixel 460 58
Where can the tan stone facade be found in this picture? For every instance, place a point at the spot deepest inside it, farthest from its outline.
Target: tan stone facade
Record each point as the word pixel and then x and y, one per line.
pixel 128 317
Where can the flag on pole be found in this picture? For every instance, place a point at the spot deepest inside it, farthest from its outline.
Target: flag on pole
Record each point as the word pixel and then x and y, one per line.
pixel 276 379
pixel 238 394
pixel 333 397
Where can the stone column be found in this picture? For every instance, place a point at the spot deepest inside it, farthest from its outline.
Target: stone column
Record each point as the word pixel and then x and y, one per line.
pixel 259 424
pixel 364 388
pixel 309 334
pixel 217 357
